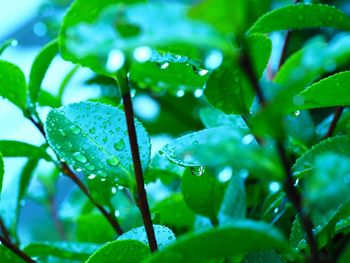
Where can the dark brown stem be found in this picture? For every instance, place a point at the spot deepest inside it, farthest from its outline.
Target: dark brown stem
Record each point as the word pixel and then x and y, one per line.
pixel 140 184
pixel 4 230
pixel 5 240
pixel 108 215
pixel 67 171
pixel 338 112
pixel 290 189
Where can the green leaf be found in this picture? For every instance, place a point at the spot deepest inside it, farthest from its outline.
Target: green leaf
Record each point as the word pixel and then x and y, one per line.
pixel 63 250
pixel 39 68
pixel 5 45
pixel 13 84
pixel 47 99
pixel 202 192
pixel 345 255
pixel 93 228
pixel 123 251
pixel 212 117
pixel 137 28
pixel 173 212
pixel 301 16
pixel 1 170
pixel 233 206
pixel 22 149
pixel 218 243
pixel 326 187
pixel 164 235
pixel 328 92
pixel 262 257
pixel 304 165
pixel 7 256
pixel 235 96
pixel 93 137
pixel 224 146
pixel 259 48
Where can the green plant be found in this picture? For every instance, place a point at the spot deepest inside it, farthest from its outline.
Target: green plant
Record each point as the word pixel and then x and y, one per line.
pixel 258 165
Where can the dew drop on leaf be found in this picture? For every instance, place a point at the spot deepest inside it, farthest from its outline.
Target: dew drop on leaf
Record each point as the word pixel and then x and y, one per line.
pixel 197 170
pixel 120 145
pixel 113 161
pixel 78 156
pixel 74 129
pixel 61 131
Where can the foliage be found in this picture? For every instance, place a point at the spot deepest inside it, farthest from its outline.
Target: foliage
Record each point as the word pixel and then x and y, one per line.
pixel 251 113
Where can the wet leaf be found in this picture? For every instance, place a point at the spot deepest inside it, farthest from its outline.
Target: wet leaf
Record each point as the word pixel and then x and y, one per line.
pixel 123 251
pixel 217 243
pixel 301 16
pixel 93 137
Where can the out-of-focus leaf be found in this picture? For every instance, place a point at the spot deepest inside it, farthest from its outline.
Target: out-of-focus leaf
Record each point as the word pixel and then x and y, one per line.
pixel 123 251
pixel 22 149
pixel 212 117
pixel 345 256
pixel 301 16
pixel 64 250
pixel 93 137
pixel 164 235
pixel 202 192
pixel 128 27
pixel 224 146
pixel 13 84
pixel 327 186
pixel 7 256
pixel 229 90
pixel 328 92
pixel 93 228
pixel 1 171
pixel 217 243
pixel 259 48
pixel 5 45
pixel 39 68
pixel 262 257
pixel 233 206
pixel 47 99
pixel 173 212
pixel 304 165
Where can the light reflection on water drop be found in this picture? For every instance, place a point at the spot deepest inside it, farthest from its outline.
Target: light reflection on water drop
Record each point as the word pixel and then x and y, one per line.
pixel 115 61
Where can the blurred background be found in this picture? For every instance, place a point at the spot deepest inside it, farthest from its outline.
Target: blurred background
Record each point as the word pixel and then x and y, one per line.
pixel 31 24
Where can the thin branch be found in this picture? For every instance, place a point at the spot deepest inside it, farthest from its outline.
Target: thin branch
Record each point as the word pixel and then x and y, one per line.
pixel 67 171
pixel 140 184
pixel 6 241
pixel 292 193
pixel 338 112
pixel 55 219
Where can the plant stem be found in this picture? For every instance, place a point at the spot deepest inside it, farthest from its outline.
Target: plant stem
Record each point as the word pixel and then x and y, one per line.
pixel 289 185
pixel 6 241
pixel 140 184
pixel 67 171
pixel 338 112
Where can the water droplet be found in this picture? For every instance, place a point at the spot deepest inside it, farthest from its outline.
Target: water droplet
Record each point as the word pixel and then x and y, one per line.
pixel 142 54
pixel 202 72
pixel 80 157
pixel 74 129
pixel 116 213
pixel 90 167
pixel 105 139
pixel 78 169
pixel 225 174
pixel 92 130
pixel 180 93
pixel 115 61
pixel 113 161
pixel 164 66
pixel 249 138
pixel 274 187
pixel 295 113
pixel 14 43
pixel 198 93
pixel 120 145
pixel 92 176
pixel 197 170
pixel 114 190
pixel 213 59
pixel 243 173
pixel 61 131
pixel 276 210
pixel 195 142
